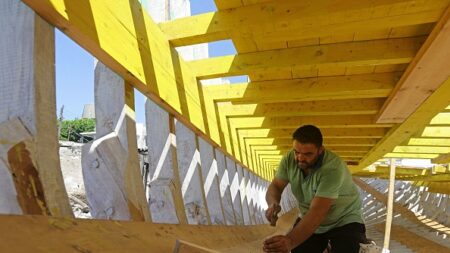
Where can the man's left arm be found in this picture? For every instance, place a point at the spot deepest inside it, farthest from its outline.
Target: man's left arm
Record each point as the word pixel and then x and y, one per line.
pixel 303 230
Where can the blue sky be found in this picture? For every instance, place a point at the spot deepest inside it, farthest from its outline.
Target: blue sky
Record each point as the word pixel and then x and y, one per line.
pixel 75 70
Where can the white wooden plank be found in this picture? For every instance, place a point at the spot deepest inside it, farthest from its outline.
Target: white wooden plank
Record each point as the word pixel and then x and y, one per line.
pixel 234 190
pixel 211 183
pixel 111 162
pixel 164 191
pixel 28 97
pixel 224 186
pixel 189 169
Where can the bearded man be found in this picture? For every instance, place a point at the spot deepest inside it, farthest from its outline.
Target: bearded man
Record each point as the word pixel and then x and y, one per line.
pixel 328 199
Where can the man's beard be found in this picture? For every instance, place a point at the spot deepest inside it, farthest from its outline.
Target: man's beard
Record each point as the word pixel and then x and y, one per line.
pixel 305 166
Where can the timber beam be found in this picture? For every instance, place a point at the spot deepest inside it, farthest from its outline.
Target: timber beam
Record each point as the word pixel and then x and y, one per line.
pixel 306 89
pixel 294 20
pixel 366 106
pixel 377 52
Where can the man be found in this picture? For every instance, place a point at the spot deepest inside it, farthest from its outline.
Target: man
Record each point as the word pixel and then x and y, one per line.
pixel 328 199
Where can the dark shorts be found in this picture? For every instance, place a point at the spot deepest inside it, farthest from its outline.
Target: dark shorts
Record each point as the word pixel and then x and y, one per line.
pixel 343 239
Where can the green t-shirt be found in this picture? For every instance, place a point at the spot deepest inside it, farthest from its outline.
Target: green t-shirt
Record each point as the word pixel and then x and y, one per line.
pixel 330 179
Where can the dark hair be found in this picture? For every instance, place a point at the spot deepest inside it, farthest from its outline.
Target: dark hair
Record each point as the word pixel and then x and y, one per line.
pixel 308 134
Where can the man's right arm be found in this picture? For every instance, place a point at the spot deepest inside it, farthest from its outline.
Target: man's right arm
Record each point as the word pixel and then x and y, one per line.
pixel 273 196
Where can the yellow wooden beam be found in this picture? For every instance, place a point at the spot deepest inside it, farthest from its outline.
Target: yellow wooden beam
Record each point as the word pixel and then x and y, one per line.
pixel 421 149
pixel 294 20
pixel 442 118
pixel 368 143
pixel 429 142
pixel 383 171
pixel 375 133
pixel 307 108
pixel 418 120
pixel 433 131
pixel 377 52
pixel 307 89
pixel 354 121
pixel 425 74
pixel 410 155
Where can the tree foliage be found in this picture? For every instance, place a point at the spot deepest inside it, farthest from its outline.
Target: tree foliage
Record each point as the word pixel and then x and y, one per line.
pixel 71 129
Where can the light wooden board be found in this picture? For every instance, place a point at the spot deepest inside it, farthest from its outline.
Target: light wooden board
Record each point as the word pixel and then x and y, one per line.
pixel 28 136
pixel 42 234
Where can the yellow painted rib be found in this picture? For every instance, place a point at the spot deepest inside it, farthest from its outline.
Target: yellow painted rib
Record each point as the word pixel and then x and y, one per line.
pixel 322 88
pixel 377 52
pixel 296 20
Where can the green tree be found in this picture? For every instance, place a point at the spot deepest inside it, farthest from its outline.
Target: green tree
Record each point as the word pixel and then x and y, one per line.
pixel 71 129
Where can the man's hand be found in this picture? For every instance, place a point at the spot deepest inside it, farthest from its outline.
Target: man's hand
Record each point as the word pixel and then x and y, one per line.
pixel 272 212
pixel 278 244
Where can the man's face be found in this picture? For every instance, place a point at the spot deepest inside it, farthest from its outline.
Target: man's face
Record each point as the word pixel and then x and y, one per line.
pixel 306 154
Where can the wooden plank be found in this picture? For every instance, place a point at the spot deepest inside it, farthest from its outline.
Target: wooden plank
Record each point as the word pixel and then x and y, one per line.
pixel 356 121
pixel 234 190
pixel 75 235
pixel 425 74
pixel 313 89
pixel 31 178
pixel 189 163
pixel 295 20
pixel 283 227
pixel 211 184
pixel 243 192
pixel 377 52
pixel 375 133
pixel 307 108
pixel 287 140
pixel 225 193
pixel 163 190
pixel 110 164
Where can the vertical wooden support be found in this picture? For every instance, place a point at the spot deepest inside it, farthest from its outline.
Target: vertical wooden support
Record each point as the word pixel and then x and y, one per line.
pixel 163 190
pixel 234 189
pixel 211 183
pixel 190 177
pixel 243 193
pixel 249 195
pixel 111 170
pixel 255 200
pixel 261 198
pixel 225 192
pixel 30 176
pixel 390 205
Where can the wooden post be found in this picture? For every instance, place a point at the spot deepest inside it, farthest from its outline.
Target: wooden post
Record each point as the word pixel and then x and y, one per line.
pixel 390 204
pixel 255 200
pixel 225 193
pixel 243 194
pixel 190 178
pixel 111 170
pixel 234 189
pixel 211 183
pixel 31 181
pixel 163 189
pixel 249 193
